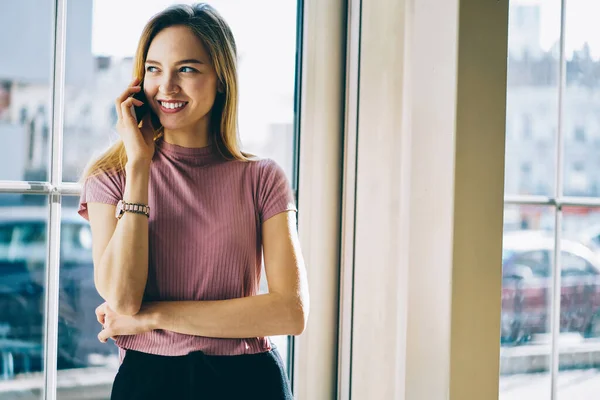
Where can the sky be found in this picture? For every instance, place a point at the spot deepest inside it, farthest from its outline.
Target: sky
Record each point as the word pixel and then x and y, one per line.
pixel 117 24
pixel 581 23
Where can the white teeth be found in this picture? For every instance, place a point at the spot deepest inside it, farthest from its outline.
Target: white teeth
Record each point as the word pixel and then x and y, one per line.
pixel 172 106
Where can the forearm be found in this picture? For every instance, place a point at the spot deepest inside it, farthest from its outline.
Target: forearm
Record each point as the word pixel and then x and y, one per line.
pixel 123 269
pixel 256 316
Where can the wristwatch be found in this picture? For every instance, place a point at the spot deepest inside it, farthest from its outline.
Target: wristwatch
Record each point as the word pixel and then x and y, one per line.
pixel 123 207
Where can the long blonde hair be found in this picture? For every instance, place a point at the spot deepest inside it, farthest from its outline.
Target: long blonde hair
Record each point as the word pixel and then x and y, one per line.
pixel 208 25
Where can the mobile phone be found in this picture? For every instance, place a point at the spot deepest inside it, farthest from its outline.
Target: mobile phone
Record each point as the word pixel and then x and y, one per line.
pixel 141 111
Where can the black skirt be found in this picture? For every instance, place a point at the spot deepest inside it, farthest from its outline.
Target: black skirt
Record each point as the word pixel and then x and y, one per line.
pixel 197 376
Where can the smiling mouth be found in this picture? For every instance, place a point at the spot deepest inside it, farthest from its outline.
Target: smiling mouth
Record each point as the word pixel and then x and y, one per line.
pixel 172 106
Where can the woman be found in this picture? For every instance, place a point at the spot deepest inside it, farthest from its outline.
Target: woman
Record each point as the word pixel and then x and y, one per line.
pixel 179 266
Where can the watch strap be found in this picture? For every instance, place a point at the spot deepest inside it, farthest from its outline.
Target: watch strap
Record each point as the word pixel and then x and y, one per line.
pixel 135 208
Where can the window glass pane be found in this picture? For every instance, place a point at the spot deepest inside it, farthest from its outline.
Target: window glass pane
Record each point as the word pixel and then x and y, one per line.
pixel 527 254
pixel 532 97
pixel 82 358
pixel 580 305
pixel 105 42
pixel 24 88
pixel 86 91
pixel 582 98
pixel 22 291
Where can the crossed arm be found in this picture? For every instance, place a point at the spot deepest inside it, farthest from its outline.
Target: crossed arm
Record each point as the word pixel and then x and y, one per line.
pixel 283 311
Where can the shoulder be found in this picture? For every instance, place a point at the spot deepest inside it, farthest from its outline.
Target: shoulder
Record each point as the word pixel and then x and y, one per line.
pixel 274 193
pixel 265 166
pixel 101 187
pixel 105 178
pixel 260 171
pixel 102 184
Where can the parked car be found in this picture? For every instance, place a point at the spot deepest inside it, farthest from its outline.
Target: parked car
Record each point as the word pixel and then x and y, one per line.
pixel 591 237
pixel 23 248
pixel 527 282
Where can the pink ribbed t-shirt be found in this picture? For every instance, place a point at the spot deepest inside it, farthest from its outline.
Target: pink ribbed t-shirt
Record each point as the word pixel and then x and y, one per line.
pixel 205 241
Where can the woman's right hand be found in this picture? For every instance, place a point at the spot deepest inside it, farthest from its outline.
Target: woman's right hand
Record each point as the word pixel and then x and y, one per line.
pixel 139 142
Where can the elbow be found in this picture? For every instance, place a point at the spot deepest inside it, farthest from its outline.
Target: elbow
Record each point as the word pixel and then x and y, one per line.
pixel 298 327
pixel 126 308
pixel 120 305
pixel 120 301
pixel 299 318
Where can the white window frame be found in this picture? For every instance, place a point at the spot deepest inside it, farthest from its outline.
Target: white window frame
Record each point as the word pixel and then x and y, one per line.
pixel 54 189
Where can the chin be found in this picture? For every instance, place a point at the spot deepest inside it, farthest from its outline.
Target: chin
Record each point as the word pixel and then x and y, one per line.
pixel 170 126
pixel 173 125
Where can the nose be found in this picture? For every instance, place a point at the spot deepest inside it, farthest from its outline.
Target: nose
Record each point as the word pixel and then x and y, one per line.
pixel 168 85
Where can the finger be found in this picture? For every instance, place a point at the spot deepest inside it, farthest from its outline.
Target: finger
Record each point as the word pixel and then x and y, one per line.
pixel 127 110
pixel 147 128
pixel 104 335
pixel 127 93
pixel 137 102
pixel 100 313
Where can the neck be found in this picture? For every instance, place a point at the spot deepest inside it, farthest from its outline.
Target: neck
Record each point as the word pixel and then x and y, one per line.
pixel 193 138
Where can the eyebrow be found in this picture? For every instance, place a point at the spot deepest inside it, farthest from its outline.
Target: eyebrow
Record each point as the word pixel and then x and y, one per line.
pixel 187 61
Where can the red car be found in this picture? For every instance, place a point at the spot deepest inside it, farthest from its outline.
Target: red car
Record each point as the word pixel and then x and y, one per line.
pixel 527 282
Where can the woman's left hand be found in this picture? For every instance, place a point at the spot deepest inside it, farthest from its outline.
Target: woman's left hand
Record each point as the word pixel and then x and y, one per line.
pixel 116 325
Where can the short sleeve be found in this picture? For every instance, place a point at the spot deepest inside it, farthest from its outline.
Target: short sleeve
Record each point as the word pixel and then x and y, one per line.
pixel 275 194
pixel 101 188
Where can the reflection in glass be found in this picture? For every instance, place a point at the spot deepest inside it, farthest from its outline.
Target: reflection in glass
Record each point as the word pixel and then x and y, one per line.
pixel 22 291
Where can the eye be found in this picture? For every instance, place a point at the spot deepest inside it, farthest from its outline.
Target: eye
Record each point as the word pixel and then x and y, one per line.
pixel 188 69
pixel 151 68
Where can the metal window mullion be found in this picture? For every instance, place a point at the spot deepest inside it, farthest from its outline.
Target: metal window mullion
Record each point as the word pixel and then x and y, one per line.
pixel 25 187
pixel 20 187
pixel 291 340
pixel 560 202
pixel 68 189
pixel 576 201
pixel 557 281
pixel 347 261
pixel 529 200
pixel 53 231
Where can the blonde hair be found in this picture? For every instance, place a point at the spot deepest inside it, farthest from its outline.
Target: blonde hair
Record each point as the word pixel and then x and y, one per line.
pixel 208 25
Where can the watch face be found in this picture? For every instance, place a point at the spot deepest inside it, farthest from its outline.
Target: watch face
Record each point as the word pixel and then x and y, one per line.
pixel 119 209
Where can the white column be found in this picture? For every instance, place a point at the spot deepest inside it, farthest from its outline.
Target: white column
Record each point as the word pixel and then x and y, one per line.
pixel 478 199
pixel 429 200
